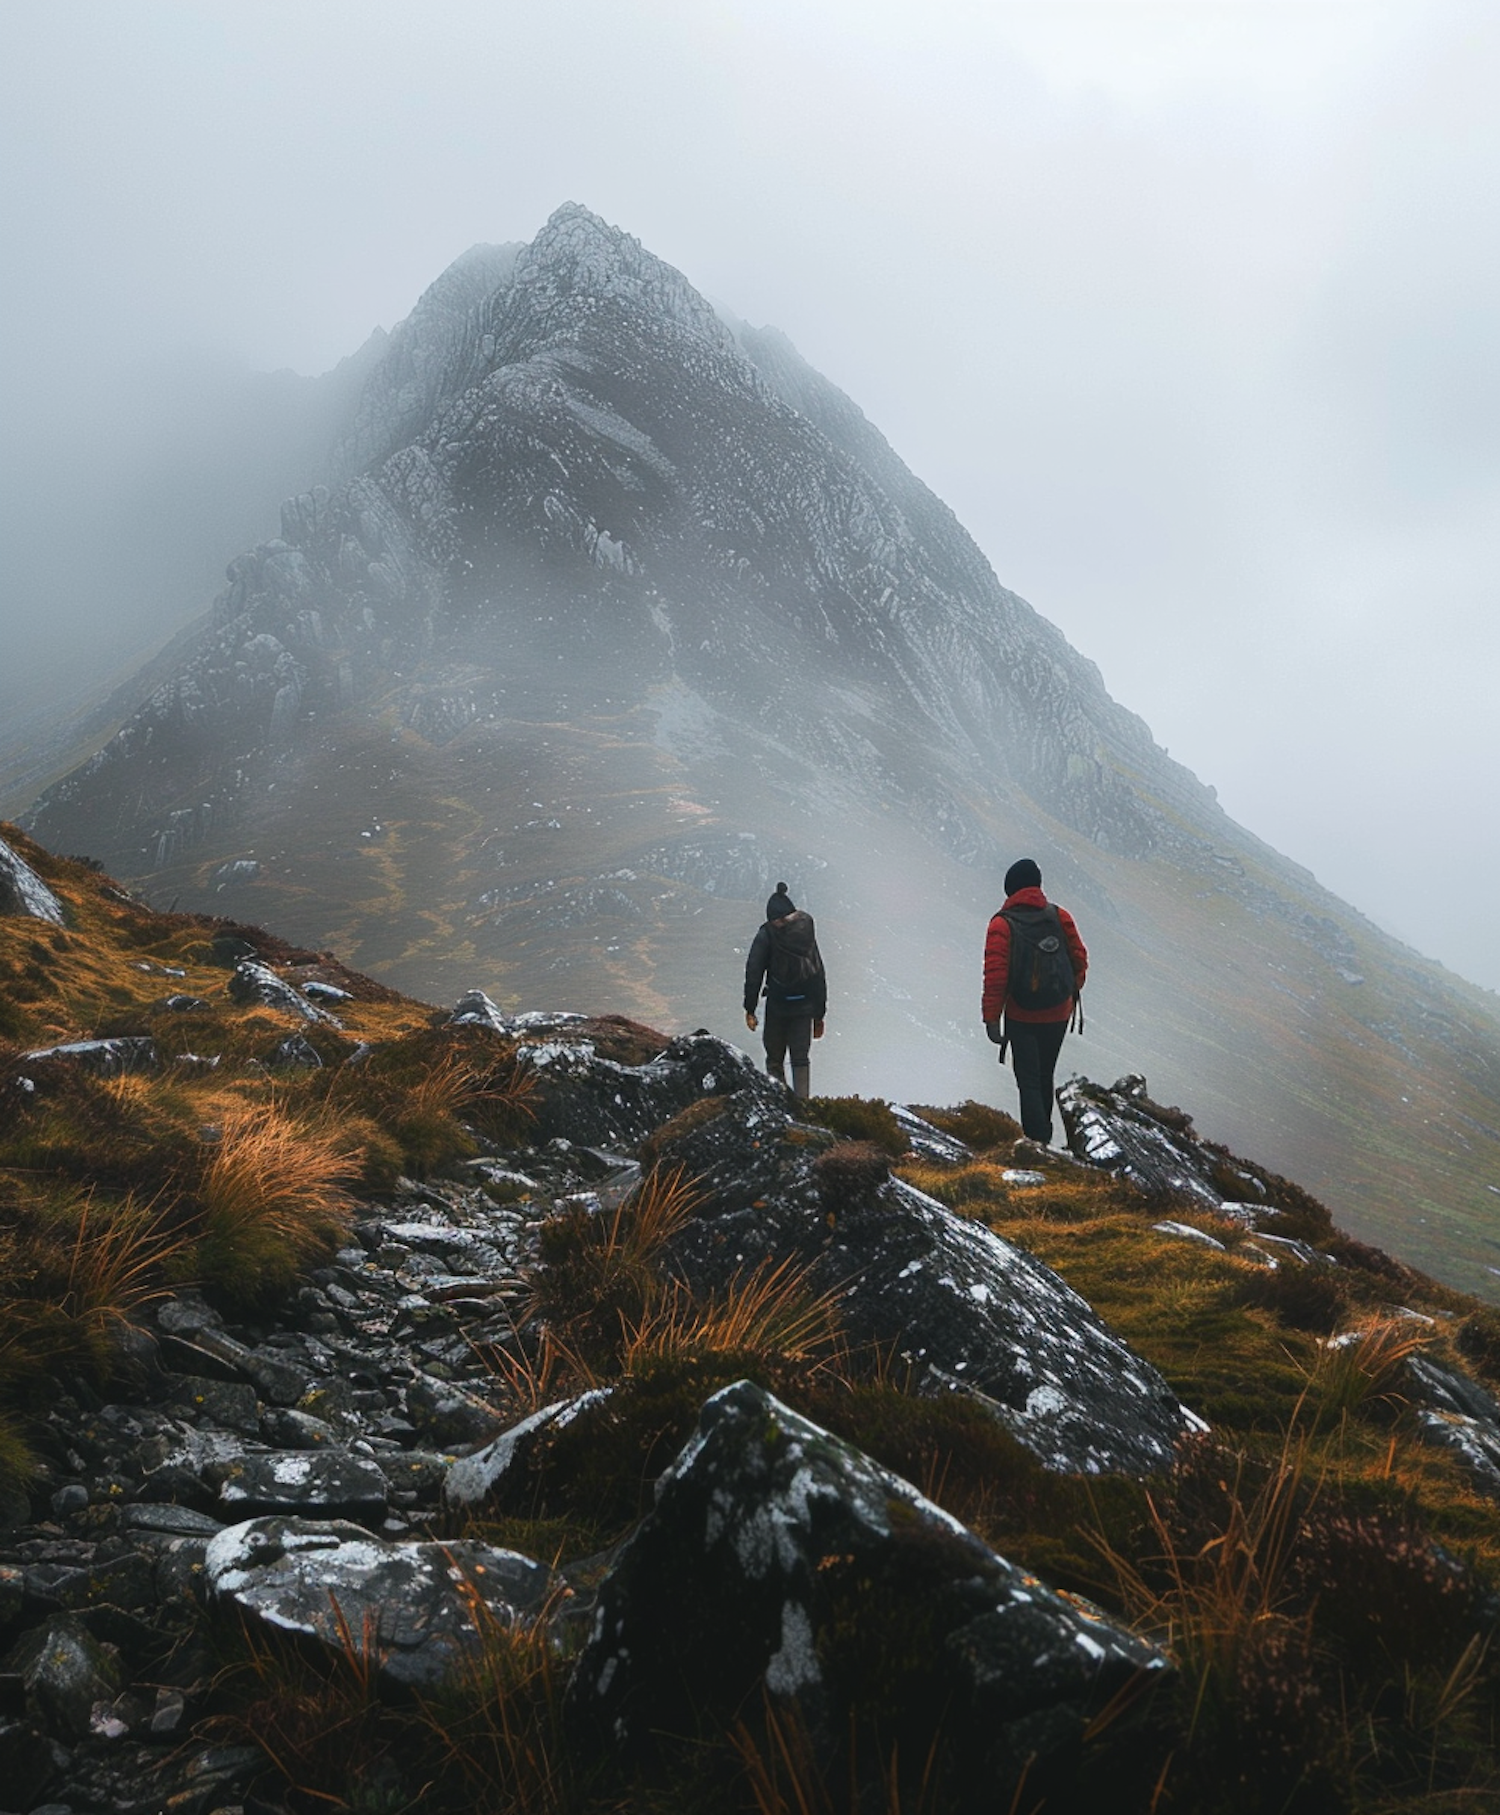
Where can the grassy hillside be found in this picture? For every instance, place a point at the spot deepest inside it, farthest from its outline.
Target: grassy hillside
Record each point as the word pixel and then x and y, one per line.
pixel 1326 1582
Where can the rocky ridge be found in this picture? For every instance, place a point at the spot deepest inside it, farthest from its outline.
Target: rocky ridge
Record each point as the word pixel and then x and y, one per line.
pixel 345 1467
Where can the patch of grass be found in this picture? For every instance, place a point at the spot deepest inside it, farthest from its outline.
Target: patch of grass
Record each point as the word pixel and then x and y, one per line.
pixel 271 1200
pixel 1302 1298
pixel 977 1125
pixel 77 1267
pixel 599 1271
pixel 857 1119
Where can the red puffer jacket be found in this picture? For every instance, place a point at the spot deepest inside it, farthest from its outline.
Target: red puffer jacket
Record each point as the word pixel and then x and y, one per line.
pixel 997 963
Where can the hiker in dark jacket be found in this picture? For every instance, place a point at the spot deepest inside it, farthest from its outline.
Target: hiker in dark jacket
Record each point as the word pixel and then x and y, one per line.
pixel 787 966
pixel 1035 995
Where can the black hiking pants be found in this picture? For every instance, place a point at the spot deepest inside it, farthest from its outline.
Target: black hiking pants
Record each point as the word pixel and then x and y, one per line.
pixel 782 1034
pixel 1034 1046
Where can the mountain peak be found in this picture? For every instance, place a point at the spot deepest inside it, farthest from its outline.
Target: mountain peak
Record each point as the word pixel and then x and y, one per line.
pixel 578 261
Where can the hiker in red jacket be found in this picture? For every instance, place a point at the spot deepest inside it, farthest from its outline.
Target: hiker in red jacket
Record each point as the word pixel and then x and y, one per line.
pixel 1034 967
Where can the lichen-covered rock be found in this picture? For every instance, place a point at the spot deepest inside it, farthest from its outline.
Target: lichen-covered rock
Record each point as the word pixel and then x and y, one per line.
pixel 256 982
pixel 330 1482
pixel 967 1308
pixel 1123 1131
pixel 23 892
pixel 780 1559
pixel 473 1479
pixel 1456 1413
pixel 65 1671
pixel 588 1097
pixel 413 1604
pixel 104 1058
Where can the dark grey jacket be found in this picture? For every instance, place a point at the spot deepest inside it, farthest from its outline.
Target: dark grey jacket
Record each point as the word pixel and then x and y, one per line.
pixel 794 936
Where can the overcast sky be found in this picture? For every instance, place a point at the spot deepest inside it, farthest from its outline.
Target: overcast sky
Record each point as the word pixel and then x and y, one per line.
pixel 1190 311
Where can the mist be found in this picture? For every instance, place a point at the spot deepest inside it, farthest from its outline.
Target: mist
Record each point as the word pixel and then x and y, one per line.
pixel 1186 310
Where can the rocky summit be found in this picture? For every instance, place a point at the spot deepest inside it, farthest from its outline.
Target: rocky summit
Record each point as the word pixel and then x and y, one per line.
pixel 541 1411
pixel 613 613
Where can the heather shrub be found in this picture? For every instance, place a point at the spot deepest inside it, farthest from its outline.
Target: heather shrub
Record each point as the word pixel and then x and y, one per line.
pixel 857 1119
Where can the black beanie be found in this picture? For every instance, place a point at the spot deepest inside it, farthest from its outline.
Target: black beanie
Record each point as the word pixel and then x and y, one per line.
pixel 1022 874
pixel 780 904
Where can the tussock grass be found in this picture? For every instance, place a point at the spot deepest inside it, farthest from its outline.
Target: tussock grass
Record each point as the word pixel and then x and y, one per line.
pixel 768 1314
pixel 599 1273
pixel 1365 1369
pixel 272 1199
pixel 77 1268
pixel 977 1125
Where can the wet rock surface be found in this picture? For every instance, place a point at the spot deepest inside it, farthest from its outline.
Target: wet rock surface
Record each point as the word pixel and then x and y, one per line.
pixel 314 1470
pixel 410 1604
pixel 23 892
pixel 1124 1131
pixel 966 1309
pixel 779 1558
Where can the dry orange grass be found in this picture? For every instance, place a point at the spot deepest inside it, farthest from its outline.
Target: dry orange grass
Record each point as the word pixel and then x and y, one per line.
pixel 271 1200
pixel 75 1273
pixel 769 1313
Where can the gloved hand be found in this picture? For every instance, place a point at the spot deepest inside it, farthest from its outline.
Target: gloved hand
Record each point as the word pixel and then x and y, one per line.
pixel 996 1031
pixel 750 1020
pixel 817 1030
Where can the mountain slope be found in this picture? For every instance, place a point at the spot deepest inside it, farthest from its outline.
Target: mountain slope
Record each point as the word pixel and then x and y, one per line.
pixel 623 614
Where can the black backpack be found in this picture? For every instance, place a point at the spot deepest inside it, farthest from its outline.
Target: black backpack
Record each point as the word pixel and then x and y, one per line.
pixel 1041 972
pixel 794 966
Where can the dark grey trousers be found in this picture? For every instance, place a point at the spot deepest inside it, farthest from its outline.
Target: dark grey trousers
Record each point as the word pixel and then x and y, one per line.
pixel 1034 1046
pixel 783 1034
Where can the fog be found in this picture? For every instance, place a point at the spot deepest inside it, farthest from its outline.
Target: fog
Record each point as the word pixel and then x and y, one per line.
pixel 1187 310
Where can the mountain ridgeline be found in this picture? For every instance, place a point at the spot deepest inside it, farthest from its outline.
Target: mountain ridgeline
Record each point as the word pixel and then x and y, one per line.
pixel 613 613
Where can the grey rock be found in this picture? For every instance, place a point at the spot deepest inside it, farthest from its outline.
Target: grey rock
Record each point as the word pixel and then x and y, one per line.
pixel 254 981
pixel 232 1404
pixel 295 1053
pixel 1122 1131
pixel 966 1307
pixel 588 1099
pixel 65 1671
pixel 448 1414
pixel 778 1558
pixel 105 1058
pixel 332 1483
pixel 475 1009
pixel 23 892
pixel 474 1479
pixel 174 1521
pixel 412 1599
pixel 288 1427
pixel 326 992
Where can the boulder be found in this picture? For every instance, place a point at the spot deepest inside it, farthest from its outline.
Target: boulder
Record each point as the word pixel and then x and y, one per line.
pixel 253 981
pixel 966 1309
pixel 411 1604
pixel 591 1099
pixel 475 1009
pixel 330 1482
pixel 104 1058
pixel 65 1670
pixel 474 1479
pixel 779 1560
pixel 23 892
pixel 1123 1131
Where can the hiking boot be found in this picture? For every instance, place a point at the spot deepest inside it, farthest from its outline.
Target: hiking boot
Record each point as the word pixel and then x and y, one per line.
pixel 1029 1153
